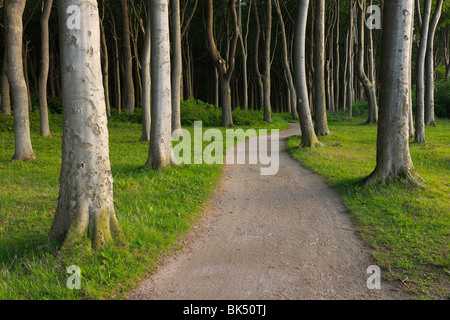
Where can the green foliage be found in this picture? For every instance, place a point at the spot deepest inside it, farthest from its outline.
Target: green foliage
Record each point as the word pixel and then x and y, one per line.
pixel 442 100
pixel 195 110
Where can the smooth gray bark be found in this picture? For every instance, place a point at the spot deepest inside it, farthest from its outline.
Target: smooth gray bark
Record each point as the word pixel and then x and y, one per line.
pixel 18 86
pixel 309 138
pixel 420 74
pixel 146 82
pixel 321 123
pixel 128 59
pixel 43 76
pixel 160 153
pixel 429 67
pixel 85 203
pixel 393 156
pixel 286 66
pixel 369 88
pixel 177 65
pixel 267 64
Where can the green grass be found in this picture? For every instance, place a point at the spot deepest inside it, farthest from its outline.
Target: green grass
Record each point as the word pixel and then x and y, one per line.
pixel 155 211
pixel 408 228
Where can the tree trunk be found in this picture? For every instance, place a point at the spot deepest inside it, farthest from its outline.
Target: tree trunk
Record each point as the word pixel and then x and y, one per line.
pixel 285 60
pixel 309 138
pixel 85 203
pixel 6 100
pixel 244 48
pixel 43 76
pixel 267 64
pixel 160 153
pixel 420 74
pixel 321 123
pixel 177 65
pixel 256 59
pixel 146 82
pixel 369 88
pixel 393 156
pixel 19 95
pixel 128 59
pixel 105 68
pixel 350 57
pixel 429 67
pixel 337 65
pixel 225 68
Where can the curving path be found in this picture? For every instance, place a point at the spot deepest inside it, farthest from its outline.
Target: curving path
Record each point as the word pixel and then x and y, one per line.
pixel 287 236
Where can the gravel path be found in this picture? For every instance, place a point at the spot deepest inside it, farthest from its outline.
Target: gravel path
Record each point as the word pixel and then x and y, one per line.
pixel 287 236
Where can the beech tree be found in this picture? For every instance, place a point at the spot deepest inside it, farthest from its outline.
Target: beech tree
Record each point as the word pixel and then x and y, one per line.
pixel 429 67
pixel 420 74
pixel 309 138
pixel 285 60
pixel 18 85
pixel 393 156
pixel 177 65
pixel 367 84
pixel 267 64
pixel 85 203
pixel 146 81
pixel 321 123
pixel 128 58
pixel 4 83
pixel 160 153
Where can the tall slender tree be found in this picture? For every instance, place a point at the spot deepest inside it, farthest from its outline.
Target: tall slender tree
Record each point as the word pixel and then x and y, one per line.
pixel 85 203
pixel 225 68
pixel 285 61
pixel 177 65
pixel 369 87
pixel 267 64
pixel 420 74
pixel 321 122
pixel 15 70
pixel 146 81
pixel 128 58
pixel 429 67
pixel 43 76
pixel 309 138
pixel 393 156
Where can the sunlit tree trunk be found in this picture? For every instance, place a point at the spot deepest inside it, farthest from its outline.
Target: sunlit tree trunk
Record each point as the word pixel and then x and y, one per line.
pixel 393 156
pixel 85 203
pixel 128 59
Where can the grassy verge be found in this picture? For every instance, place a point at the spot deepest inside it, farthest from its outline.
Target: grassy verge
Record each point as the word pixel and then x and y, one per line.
pixel 408 228
pixel 155 210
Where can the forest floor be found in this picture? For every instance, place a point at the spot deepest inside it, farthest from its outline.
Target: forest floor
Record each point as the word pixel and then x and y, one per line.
pixel 287 236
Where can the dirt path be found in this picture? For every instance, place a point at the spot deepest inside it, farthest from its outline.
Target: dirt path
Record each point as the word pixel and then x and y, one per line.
pixel 286 236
